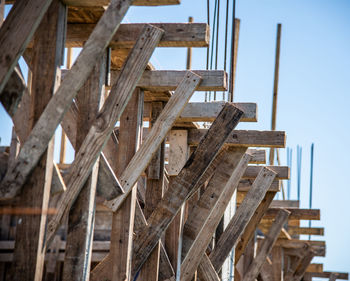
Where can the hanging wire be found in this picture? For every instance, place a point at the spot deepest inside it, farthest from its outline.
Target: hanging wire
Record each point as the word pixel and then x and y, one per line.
pixel 208 22
pixel 225 52
pixel 212 41
pixel 311 180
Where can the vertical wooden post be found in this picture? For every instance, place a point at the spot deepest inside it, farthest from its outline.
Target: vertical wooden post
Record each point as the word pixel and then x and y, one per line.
pixel 154 193
pixel 123 219
pixel 29 253
pixel 277 263
pixel 82 214
pixel 233 69
pixel 275 88
pixel 189 52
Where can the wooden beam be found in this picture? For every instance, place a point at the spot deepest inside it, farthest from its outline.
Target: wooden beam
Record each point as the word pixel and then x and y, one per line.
pixel 167 80
pixel 244 138
pixel 315 267
pixel 43 130
pixel 16 32
pixel 318 246
pixel 296 230
pixel 175 35
pixel 30 249
pixel 266 246
pixel 103 125
pixel 101 3
pixel 296 214
pixel 197 240
pixel 241 218
pixel 144 155
pixel 182 186
pixel 206 271
pixel 81 217
pixel 282 172
pixel 327 274
pixel 157 134
pixel 300 270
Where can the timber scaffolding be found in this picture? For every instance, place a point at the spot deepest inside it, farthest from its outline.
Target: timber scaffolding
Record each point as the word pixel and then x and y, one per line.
pixel 120 210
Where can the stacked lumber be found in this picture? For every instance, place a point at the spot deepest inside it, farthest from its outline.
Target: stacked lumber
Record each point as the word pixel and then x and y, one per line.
pixel 138 202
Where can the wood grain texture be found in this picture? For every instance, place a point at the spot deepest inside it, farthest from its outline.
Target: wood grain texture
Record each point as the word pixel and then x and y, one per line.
pixel 45 127
pixel 242 217
pixel 167 80
pixel 29 252
pixel 206 271
pixel 175 35
pixel 103 125
pixel 327 274
pixel 296 214
pixel 244 138
pixel 157 134
pixel 193 254
pixel 184 183
pixel 16 32
pixel 95 3
pixel 266 246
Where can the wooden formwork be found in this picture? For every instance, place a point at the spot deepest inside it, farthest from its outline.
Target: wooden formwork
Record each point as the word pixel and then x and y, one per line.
pixel 137 202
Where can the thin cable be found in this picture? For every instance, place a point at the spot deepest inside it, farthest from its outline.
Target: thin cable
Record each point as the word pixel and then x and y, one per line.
pixel 217 41
pixel 208 22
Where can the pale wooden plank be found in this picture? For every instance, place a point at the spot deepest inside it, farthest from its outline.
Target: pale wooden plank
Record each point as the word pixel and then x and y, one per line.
pixel 182 186
pixel 296 214
pixel 315 267
pixel 81 217
pixel 99 3
pixel 254 268
pixel 244 138
pixel 193 252
pixel 16 32
pixel 157 134
pixel 175 35
pixel 45 127
pixel 104 124
pixel 167 80
pixel 178 151
pixel 295 230
pixel 30 249
pixel 242 217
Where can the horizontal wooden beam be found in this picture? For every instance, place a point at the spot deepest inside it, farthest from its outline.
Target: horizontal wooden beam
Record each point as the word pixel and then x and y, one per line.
pixel 281 171
pixel 175 35
pixel 318 246
pixel 100 3
pixel 296 214
pixel 327 274
pixel 246 184
pixel 296 230
pixel 315 267
pixel 244 138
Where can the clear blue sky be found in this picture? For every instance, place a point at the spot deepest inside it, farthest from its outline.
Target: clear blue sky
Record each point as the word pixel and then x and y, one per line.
pixel 313 92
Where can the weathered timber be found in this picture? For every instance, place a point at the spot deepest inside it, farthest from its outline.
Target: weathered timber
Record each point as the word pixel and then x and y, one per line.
pixel 315 267
pixel 16 32
pixel 175 35
pixel 206 271
pixel 167 80
pixel 296 214
pixel 285 204
pixel 254 268
pixel 296 230
pixel 103 125
pixel 326 274
pixel 45 127
pixel 246 184
pixel 302 264
pixel 30 249
pixel 194 251
pixel 242 217
pixel 178 151
pixel 123 219
pixel 144 155
pixel 319 247
pixel 244 138
pixel 282 172
pixel 156 136
pixel 82 214
pixel 182 186
pixel 13 92
pixel 100 3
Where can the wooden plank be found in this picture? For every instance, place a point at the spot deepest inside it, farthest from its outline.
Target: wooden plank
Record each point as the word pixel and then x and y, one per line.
pixel 123 219
pixel 258 156
pixel 100 3
pixel 175 35
pixel 285 204
pixel 300 270
pixel 156 136
pixel 184 183
pixel 318 246
pixel 242 217
pixel 327 274
pixel 206 271
pixel 199 239
pixel 178 151
pixel 82 214
pixel 167 80
pixel 277 264
pixel 296 230
pixel 266 246
pixel 29 252
pixel 253 223
pixel 244 138
pixel 43 130
pixel 296 214
pixel 16 32
pixel 246 184
pixel 282 172
pixel 315 267
pixel 104 124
